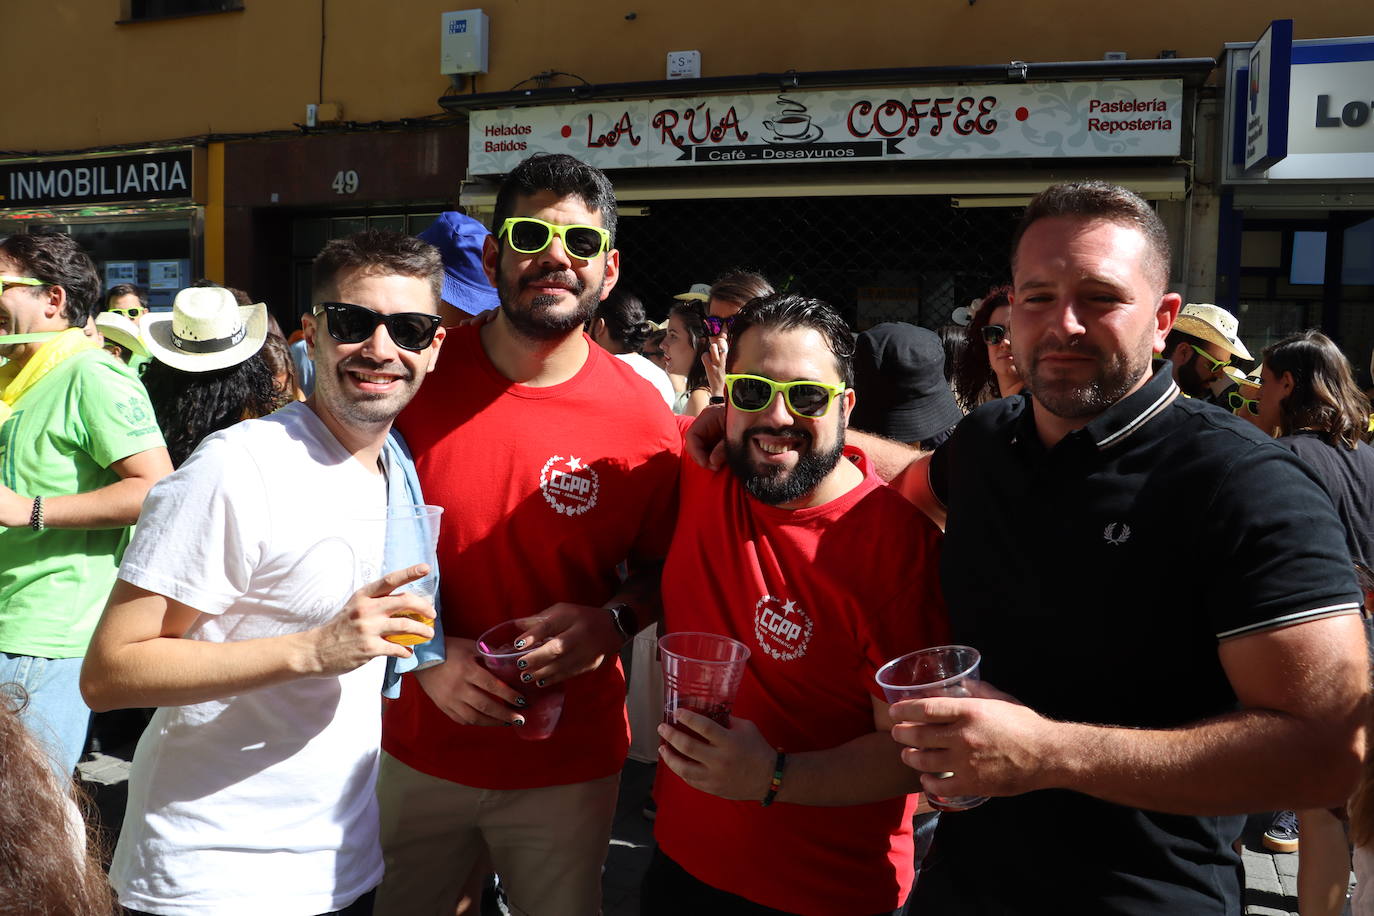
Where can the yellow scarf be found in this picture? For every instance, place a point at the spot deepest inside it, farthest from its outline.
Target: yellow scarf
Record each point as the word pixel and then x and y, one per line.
pixel 16 379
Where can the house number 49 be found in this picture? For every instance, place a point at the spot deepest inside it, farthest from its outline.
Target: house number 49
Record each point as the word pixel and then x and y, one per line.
pixel 345 182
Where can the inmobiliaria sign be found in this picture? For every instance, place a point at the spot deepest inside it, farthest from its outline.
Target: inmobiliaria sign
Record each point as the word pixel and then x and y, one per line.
pixel 1031 120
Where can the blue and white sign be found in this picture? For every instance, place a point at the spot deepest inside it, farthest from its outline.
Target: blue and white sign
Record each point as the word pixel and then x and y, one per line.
pixel 1266 110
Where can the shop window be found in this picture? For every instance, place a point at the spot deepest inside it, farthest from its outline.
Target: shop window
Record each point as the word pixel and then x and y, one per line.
pixel 1309 259
pixel 139 10
pixel 1261 248
pixel 1357 262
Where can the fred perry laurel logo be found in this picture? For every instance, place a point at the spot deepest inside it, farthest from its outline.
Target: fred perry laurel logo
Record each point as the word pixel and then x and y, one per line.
pixel 569 485
pixel 782 629
pixel 1116 533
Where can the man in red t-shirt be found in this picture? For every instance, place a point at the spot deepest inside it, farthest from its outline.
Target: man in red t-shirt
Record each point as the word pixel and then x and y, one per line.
pixel 555 462
pixel 798 551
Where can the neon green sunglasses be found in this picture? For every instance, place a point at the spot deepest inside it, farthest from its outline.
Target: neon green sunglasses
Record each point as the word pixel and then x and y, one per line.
pixel 805 399
pixel 18 281
pixel 528 235
pixel 1216 364
pixel 1238 403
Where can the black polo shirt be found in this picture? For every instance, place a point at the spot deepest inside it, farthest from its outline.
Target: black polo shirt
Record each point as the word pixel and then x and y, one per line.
pixel 1097 578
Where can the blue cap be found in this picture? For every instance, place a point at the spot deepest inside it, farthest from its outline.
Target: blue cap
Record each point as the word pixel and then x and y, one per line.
pixel 459 239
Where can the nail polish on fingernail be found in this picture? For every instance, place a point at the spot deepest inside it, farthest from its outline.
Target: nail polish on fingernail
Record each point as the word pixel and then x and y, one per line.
pixel 540 683
pixel 521 663
pixel 520 701
pixel 519 721
pixel 519 644
pixel 526 677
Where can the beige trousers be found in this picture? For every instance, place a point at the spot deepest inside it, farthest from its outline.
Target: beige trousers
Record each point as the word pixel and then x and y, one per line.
pixel 547 844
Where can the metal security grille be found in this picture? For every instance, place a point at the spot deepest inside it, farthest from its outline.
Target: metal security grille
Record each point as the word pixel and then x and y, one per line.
pixel 875 259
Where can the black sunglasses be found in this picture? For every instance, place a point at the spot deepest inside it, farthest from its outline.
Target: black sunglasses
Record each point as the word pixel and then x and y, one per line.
pixel 350 324
pixel 993 334
pixel 717 326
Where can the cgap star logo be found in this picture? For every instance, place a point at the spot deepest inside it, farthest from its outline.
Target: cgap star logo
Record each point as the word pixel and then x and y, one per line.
pixel 570 485
pixel 781 628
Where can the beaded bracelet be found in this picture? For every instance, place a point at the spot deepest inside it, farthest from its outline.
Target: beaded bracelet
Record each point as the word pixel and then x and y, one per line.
pixel 776 784
pixel 36 516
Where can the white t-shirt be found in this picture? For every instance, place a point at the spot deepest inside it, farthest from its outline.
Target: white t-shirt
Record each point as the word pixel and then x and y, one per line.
pixel 261 803
pixel 651 373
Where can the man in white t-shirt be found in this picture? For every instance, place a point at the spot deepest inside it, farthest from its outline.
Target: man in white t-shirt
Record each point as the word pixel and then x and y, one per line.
pixel 238 612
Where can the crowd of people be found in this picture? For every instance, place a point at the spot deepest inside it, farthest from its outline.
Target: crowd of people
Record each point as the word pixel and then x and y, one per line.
pixel 1162 559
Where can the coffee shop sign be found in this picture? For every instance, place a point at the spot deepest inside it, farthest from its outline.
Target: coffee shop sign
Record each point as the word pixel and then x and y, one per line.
pixel 1047 120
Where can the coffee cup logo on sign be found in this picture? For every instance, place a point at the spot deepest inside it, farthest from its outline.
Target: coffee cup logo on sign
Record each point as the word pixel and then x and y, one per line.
pixel 792 124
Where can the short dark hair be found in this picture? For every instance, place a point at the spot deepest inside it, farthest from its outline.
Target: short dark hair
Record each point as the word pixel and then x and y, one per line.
pixel 126 289
pixel 377 252
pixel 1101 200
pixel 740 286
pixel 1175 339
pixel 1325 397
pixel 56 259
pixel 565 176
pixel 786 312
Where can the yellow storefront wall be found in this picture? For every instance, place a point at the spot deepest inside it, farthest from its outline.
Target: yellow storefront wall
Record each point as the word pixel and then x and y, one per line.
pixel 81 81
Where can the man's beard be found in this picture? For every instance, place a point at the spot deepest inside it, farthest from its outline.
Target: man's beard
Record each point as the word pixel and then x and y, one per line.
pixel 774 484
pixel 542 320
pixel 1116 374
pixel 1190 382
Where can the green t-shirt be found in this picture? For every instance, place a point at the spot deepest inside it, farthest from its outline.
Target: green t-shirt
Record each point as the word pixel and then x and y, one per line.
pixel 87 413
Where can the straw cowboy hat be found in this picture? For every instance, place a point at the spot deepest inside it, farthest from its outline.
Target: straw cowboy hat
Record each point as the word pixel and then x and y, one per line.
pixel 121 330
pixel 206 330
pixel 1214 325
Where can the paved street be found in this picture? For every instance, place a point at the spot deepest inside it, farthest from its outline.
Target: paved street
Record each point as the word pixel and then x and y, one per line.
pixel 1271 880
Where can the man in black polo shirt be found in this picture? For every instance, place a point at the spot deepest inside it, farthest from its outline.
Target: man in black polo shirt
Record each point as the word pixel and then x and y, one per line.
pixel 1215 688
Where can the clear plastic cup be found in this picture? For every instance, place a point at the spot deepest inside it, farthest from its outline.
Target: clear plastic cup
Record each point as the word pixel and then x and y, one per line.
pixel 404 535
pixel 499 655
pixel 701 672
pixel 943 671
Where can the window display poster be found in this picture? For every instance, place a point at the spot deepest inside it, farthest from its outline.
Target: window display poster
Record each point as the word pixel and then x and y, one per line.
pixel 117 272
pixel 166 274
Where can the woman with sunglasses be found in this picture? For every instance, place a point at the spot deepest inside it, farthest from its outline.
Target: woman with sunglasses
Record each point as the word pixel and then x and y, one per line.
pixel 1308 400
pixel 683 344
pixel 985 370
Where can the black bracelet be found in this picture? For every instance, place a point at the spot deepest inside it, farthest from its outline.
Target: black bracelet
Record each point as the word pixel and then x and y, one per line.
pixel 776 785
pixel 36 516
pixel 717 399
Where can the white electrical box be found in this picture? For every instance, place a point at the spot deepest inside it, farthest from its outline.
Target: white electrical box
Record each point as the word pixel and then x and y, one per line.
pixel 463 42
pixel 684 65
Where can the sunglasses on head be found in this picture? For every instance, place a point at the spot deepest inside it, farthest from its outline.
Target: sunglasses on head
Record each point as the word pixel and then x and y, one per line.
pixel 809 400
pixel 1216 364
pixel 528 235
pixel 7 280
pixel 717 326
pixel 350 324
pixel 993 334
pixel 131 312
pixel 1237 402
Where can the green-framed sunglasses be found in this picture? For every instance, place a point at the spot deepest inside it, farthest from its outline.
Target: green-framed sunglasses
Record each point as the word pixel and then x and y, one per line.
pixel 1237 402
pixel 805 399
pixel 1216 364
pixel 528 235
pixel 6 280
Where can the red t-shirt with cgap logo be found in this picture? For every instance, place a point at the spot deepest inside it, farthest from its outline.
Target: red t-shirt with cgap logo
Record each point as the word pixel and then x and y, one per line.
pixel 545 491
pixel 822 596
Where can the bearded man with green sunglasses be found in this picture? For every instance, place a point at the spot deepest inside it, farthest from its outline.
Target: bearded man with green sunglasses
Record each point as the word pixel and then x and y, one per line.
pixel 798 551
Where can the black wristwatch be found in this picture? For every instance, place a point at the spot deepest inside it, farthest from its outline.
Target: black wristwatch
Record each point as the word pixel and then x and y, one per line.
pixel 623 616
